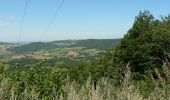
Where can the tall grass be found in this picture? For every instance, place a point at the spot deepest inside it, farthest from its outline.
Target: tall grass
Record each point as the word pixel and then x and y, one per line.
pixel 103 90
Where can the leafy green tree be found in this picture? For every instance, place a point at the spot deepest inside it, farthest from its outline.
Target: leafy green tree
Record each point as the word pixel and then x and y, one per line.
pixel 145 46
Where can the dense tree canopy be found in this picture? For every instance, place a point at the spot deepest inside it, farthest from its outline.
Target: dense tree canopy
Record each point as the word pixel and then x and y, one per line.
pixel 145 46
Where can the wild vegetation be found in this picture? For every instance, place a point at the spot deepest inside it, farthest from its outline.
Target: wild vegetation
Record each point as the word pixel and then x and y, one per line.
pixel 137 68
pixel 41 83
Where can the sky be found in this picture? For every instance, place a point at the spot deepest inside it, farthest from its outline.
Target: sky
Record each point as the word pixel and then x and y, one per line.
pixel 77 19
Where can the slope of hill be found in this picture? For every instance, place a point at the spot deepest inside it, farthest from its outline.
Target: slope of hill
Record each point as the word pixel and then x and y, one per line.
pixel 100 44
pixel 4 43
pixel 32 47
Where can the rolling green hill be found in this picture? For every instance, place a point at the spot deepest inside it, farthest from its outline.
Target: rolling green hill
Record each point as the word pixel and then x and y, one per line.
pixel 100 44
pixel 4 43
pixel 35 46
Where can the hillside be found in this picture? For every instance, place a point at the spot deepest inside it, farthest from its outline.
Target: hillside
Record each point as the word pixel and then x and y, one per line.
pixel 35 46
pixel 100 44
pixel 5 43
pixel 64 51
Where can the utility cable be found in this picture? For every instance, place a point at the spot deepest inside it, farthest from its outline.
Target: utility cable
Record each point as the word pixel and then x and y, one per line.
pixel 52 19
pixel 22 22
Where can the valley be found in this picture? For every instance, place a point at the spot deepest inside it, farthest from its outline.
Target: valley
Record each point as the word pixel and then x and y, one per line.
pixel 64 51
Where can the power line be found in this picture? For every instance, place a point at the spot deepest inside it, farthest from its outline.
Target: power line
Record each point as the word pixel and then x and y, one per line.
pixel 22 22
pixel 52 19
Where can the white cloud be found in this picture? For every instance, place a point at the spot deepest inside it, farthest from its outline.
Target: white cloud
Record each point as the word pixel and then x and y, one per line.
pixel 6 21
pixel 11 18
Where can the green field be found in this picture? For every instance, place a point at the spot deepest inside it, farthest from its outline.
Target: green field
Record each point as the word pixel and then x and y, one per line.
pixel 64 51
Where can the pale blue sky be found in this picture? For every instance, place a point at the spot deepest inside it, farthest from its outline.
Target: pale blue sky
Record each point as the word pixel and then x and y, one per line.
pixel 78 19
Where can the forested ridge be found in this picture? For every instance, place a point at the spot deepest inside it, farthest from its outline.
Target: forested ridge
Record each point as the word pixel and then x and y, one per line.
pixel 101 44
pixel 137 68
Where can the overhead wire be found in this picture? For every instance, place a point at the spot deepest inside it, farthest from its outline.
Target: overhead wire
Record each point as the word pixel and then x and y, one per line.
pixel 51 20
pixel 21 26
pixel 22 21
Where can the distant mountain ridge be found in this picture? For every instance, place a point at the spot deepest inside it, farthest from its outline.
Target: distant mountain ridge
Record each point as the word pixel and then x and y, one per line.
pixel 100 44
pixel 5 43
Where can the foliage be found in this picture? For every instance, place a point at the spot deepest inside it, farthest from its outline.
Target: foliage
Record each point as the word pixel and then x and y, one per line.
pixel 145 47
pixel 46 82
pixel 38 83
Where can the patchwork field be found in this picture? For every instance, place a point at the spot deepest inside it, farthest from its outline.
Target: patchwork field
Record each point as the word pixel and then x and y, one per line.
pixel 60 51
